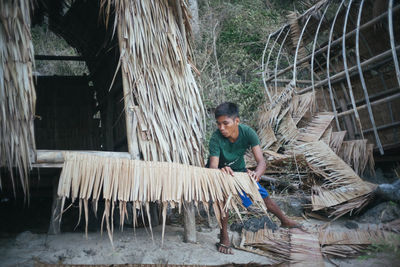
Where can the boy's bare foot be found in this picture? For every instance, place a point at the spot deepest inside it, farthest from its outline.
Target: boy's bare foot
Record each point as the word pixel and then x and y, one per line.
pixel 224 246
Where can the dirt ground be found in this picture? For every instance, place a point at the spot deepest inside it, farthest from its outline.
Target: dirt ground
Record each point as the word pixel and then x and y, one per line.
pixel 73 248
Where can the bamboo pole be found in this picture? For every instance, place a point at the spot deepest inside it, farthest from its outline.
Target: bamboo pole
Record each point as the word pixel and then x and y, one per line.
pixel 297 52
pixel 346 70
pixel 313 53
pixel 338 76
pixel 364 86
pixel 130 118
pixel 392 41
pixel 328 66
pixel 377 102
pixel 269 54
pixel 57 156
pixel 263 69
pixel 277 61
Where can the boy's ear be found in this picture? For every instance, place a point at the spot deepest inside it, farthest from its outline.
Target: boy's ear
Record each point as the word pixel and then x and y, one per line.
pixel 237 119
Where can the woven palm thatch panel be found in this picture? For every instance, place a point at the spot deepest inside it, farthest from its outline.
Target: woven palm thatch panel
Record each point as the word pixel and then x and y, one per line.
pixel 340 183
pixel 358 154
pixel 87 177
pixel 300 104
pixel 356 237
pixel 293 246
pixel 315 128
pixel 17 92
pixel 336 141
pixel 154 60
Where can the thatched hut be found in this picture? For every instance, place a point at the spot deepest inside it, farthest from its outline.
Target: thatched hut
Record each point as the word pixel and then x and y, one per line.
pixel 346 53
pixel 140 100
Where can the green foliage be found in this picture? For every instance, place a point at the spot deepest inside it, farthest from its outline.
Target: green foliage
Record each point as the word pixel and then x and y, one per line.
pixel 231 67
pixel 390 247
pixel 46 42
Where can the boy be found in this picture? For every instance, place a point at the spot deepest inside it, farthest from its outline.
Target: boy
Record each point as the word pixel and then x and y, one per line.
pixel 228 145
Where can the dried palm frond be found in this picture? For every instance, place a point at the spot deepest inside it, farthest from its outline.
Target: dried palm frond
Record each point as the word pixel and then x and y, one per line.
pixel 300 104
pixel 85 176
pixel 327 135
pixel 315 128
pixel 286 133
pixel 340 185
pixel 336 141
pixel 295 32
pixel 17 92
pixel 273 244
pixel 159 77
pixel 357 154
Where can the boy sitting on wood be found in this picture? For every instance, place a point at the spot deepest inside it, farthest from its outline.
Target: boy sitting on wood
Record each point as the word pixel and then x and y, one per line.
pixel 227 146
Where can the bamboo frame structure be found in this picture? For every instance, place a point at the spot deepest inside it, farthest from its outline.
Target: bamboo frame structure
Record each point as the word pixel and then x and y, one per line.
pixel 343 27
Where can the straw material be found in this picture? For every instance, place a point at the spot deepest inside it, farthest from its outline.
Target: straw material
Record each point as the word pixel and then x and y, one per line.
pixel 315 128
pixel 336 141
pixel 358 155
pixel 300 104
pixel 154 60
pixel 86 176
pixel 302 248
pixel 17 92
pixel 340 183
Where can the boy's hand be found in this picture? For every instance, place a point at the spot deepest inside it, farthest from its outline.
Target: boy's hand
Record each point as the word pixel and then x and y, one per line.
pixel 227 170
pixel 254 175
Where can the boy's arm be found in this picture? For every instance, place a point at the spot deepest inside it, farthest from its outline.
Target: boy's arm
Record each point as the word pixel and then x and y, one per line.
pixel 261 165
pixel 214 165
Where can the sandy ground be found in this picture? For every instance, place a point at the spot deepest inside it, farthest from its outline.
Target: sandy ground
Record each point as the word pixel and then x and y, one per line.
pixel 73 248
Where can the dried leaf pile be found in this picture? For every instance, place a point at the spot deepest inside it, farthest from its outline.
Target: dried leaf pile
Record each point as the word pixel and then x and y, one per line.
pixel 17 92
pixel 118 181
pixel 314 156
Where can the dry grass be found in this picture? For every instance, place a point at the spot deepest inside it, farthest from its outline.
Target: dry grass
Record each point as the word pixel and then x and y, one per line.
pixel 17 92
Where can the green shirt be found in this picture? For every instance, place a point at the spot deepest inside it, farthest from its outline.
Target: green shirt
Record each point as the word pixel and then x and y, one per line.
pixel 232 154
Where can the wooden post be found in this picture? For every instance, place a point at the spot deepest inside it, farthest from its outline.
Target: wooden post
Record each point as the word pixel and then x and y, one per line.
pixel 189 219
pixel 189 223
pixel 54 227
pixel 349 126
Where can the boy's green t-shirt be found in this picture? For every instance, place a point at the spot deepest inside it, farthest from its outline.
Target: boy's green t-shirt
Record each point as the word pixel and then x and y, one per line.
pixel 232 154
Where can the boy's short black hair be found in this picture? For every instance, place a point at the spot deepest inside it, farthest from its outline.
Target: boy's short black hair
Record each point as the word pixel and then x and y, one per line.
pixel 227 109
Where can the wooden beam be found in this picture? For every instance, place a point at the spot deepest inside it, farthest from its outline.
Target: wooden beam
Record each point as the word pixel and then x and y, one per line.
pixel 65 58
pixel 57 156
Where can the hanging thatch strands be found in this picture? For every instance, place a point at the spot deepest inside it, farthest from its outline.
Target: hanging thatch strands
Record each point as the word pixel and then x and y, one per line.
pixel 358 154
pixel 356 237
pixel 336 141
pixel 17 92
pixel 300 104
pixel 169 107
pixel 85 176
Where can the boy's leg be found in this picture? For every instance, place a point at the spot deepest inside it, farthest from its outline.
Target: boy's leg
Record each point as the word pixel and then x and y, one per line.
pixel 274 209
pixel 224 241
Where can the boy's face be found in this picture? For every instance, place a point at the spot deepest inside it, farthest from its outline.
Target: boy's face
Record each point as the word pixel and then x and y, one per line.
pixel 228 126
